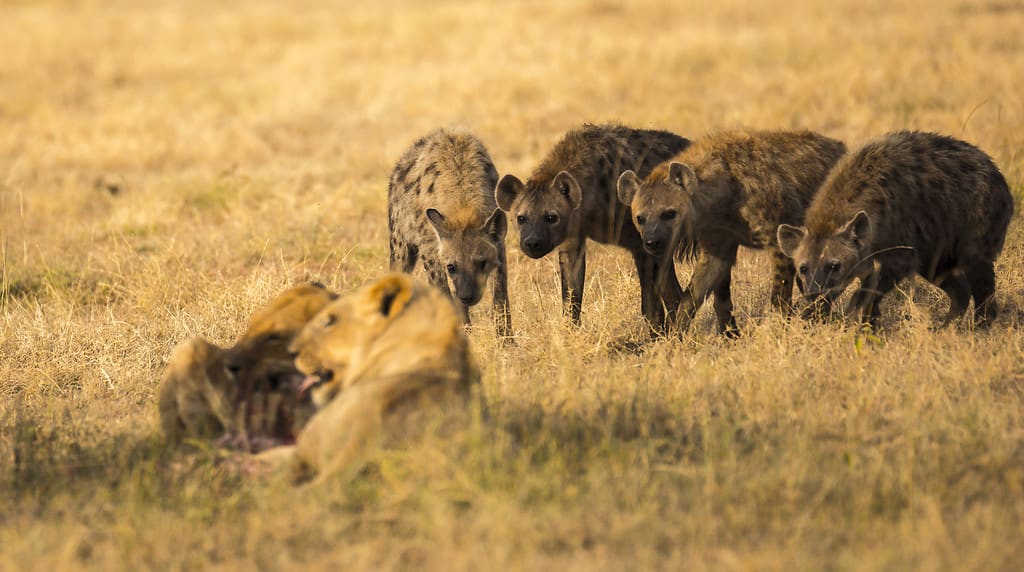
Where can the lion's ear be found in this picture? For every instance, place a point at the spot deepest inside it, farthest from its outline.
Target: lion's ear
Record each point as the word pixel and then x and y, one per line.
pixel 391 294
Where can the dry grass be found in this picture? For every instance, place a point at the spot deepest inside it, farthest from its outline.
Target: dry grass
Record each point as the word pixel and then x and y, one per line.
pixel 249 144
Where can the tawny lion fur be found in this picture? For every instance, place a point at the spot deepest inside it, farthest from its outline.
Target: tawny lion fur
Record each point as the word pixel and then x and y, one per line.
pixel 391 351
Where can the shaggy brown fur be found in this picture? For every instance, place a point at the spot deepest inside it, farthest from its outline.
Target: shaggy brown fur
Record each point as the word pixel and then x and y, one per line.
pixel 441 212
pixel 247 394
pixel 571 197
pixel 729 189
pixel 907 202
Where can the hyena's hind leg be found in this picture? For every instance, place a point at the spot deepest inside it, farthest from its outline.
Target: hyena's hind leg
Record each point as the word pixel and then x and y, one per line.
pixel 982 278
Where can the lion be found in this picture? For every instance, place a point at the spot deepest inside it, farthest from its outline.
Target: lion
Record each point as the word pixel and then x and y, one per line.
pixel 246 395
pixel 378 362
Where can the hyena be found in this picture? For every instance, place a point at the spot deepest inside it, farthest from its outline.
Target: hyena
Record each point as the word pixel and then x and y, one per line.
pixel 904 203
pixel 441 211
pixel 571 197
pixel 728 189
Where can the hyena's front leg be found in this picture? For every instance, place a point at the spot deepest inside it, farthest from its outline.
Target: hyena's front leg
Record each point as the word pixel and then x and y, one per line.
pixel 782 282
pixel 864 304
pixel 572 265
pixel 982 279
pixel 650 301
pixel 954 283
pixel 723 304
pixel 502 315
pixel 885 273
pixel 707 275
pixel 669 289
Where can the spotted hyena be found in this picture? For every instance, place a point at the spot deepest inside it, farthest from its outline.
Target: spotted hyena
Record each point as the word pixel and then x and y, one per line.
pixel 441 212
pixel 571 197
pixel 905 203
pixel 727 190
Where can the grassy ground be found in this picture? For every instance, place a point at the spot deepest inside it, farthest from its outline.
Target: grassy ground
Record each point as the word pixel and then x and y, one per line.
pixel 165 169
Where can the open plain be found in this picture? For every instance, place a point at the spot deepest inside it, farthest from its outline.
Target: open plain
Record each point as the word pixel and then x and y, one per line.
pixel 168 167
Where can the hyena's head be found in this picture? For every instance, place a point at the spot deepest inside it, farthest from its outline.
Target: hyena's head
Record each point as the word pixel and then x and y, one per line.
pixel 542 211
pixel 469 253
pixel 660 205
pixel 827 262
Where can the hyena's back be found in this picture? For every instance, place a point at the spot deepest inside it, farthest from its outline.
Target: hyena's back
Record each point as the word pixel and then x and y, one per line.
pixel 776 173
pixel 598 153
pixel 448 170
pixel 944 197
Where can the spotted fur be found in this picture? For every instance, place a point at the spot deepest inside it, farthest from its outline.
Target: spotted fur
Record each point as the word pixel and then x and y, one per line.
pixel 570 197
pixel 908 202
pixel 729 189
pixel 442 215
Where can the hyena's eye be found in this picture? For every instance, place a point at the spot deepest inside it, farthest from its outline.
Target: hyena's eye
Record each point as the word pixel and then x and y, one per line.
pixel 452 268
pixel 481 265
pixel 803 268
pixel 521 219
pixel 668 215
pixel 834 266
pixel 551 218
pixel 641 219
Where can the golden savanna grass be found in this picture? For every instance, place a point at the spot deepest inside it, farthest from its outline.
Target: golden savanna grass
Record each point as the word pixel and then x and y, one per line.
pixel 167 168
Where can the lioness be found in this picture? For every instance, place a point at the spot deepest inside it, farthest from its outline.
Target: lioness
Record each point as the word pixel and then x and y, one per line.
pixel 247 393
pixel 377 361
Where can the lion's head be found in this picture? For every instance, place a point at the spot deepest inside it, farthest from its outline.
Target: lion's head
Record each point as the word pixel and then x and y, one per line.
pixel 391 327
pixel 266 398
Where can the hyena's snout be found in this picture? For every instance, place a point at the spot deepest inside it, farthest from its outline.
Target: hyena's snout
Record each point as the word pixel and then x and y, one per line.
pixel 467 291
pixel 656 241
pixel 536 245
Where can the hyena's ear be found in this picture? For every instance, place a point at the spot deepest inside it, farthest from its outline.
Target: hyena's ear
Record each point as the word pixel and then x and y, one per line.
pixel 437 220
pixel 391 293
pixel 496 227
pixel 789 238
pixel 857 229
pixel 682 176
pixel 629 183
pixel 566 184
pixel 509 187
